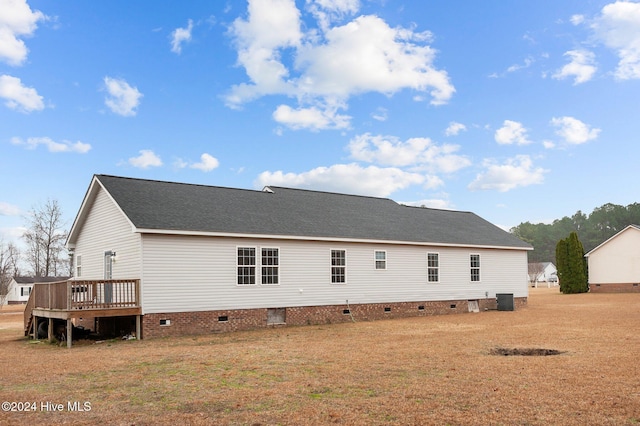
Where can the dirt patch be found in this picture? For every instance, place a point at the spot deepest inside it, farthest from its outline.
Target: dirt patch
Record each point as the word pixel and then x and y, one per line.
pixel 524 352
pixel 426 371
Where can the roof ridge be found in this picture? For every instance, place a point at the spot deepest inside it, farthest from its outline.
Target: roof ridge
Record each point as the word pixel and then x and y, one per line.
pixel 177 183
pixel 437 209
pixel 330 192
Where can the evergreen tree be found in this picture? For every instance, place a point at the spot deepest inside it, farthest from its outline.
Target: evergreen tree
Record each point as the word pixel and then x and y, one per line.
pixel 561 263
pixel 572 266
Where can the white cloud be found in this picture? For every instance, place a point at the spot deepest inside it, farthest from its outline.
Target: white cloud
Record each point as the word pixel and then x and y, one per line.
pixel 574 131
pixel 123 99
pixel 423 152
pixel 515 172
pixel 272 25
pixel 146 159
pixel 347 178
pixel 311 118
pixel 577 19
pixel 455 128
pixel 206 164
pixel 367 55
pixel 517 67
pixel 16 20
pixel 19 97
pixel 618 27
pixel 548 144
pixel 326 11
pixel 581 66
pixel 333 63
pixel 7 209
pixel 53 146
pixel 179 36
pixel 381 114
pixel 512 132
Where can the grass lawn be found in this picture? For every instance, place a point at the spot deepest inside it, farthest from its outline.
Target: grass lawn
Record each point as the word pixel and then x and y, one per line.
pixel 430 370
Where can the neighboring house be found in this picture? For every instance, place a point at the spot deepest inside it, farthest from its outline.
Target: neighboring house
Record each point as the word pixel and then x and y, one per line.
pixel 543 272
pixel 20 287
pixel 614 266
pixel 212 259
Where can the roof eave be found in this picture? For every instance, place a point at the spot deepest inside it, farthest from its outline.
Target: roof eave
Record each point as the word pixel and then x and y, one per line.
pixel 327 239
pixel 636 227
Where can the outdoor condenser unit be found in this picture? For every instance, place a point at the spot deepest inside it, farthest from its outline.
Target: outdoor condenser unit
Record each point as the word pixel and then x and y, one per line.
pixel 505 301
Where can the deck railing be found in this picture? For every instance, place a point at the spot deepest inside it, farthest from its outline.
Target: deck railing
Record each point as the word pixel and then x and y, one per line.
pixel 86 294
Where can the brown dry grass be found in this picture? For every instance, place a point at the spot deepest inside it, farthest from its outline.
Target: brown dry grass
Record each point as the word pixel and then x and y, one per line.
pixel 429 370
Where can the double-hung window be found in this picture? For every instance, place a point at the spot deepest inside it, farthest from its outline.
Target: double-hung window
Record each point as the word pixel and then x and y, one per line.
pixel 475 267
pixel 433 267
pixel 246 265
pixel 338 266
pixel 381 259
pixel 270 265
pixel 78 259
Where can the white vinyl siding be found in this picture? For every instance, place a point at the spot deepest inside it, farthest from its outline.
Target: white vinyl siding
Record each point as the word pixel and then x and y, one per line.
pixel 617 261
pixel 106 228
pixel 190 273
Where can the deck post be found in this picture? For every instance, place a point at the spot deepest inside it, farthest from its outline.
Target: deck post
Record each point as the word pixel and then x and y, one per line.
pixel 69 331
pixel 138 327
pixel 50 330
pixel 35 327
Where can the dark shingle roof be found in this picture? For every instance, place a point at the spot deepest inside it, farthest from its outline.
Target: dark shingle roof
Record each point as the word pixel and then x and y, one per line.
pixel 156 205
pixel 32 280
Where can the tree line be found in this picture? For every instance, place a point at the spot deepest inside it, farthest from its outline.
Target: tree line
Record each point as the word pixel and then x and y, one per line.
pixel 592 230
pixel 44 253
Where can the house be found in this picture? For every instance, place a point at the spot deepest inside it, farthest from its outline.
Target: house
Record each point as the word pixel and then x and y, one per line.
pixel 19 288
pixel 614 265
pixel 543 272
pixel 201 259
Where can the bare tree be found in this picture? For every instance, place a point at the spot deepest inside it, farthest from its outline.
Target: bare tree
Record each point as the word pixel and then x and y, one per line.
pixel 535 272
pixel 45 240
pixel 9 256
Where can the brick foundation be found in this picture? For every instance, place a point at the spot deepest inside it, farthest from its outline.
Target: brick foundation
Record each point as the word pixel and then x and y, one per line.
pixel 615 288
pixel 205 322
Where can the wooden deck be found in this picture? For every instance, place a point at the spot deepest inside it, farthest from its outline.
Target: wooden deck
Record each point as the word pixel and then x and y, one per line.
pixel 87 299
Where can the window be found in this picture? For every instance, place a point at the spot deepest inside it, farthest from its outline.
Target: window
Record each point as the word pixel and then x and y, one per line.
pixel 381 259
pixel 338 266
pixel 78 265
pixel 433 267
pixel 475 267
pixel 25 291
pixel 246 265
pixel 269 264
pixel 108 265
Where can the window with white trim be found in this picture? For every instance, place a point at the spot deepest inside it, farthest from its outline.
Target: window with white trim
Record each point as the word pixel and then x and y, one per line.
pixel 25 291
pixel 475 267
pixel 433 267
pixel 246 263
pixel 338 266
pixel 270 265
pixel 380 259
pixel 78 259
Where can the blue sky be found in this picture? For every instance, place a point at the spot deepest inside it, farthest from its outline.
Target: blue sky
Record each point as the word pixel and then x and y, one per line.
pixel 517 111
